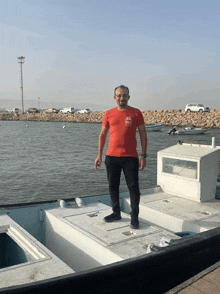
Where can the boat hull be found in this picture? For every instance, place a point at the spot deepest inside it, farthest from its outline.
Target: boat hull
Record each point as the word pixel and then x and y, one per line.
pixel 155 273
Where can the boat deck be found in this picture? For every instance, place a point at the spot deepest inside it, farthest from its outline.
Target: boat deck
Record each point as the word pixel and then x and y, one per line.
pixel 89 237
pixel 177 214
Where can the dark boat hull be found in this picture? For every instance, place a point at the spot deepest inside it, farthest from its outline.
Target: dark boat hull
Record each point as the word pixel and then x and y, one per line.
pixel 157 272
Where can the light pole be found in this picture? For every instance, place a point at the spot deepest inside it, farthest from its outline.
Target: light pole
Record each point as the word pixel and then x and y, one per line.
pixel 21 61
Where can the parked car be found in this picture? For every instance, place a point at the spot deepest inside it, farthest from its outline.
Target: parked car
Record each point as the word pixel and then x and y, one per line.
pixel 52 110
pixel 196 107
pixel 84 111
pixel 15 110
pixel 67 110
pixel 33 110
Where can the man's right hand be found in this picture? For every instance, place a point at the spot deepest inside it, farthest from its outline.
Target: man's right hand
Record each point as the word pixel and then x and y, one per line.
pixel 98 162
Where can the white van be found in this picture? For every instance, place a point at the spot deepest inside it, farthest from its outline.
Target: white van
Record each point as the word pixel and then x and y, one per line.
pixel 67 110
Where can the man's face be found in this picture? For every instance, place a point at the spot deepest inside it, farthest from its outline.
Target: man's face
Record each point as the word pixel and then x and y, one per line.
pixel 121 97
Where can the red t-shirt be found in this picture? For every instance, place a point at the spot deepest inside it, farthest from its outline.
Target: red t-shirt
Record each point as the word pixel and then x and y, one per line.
pixel 123 125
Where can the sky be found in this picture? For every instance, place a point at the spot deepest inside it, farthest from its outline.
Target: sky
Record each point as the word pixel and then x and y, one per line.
pixel 77 51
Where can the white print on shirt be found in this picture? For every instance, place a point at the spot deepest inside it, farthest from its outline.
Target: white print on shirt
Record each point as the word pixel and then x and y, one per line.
pixel 128 121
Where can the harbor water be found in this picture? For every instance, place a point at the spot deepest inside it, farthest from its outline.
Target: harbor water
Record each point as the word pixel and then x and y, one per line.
pixel 43 161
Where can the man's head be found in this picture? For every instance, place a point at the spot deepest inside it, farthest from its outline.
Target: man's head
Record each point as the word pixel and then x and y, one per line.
pixel 121 96
pixel 121 87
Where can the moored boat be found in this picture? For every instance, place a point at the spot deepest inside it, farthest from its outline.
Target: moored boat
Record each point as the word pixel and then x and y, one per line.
pixel 192 131
pixel 187 131
pixel 65 246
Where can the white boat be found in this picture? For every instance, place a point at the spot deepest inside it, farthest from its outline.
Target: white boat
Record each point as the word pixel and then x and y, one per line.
pixel 192 131
pixel 155 127
pixel 187 131
pixel 65 246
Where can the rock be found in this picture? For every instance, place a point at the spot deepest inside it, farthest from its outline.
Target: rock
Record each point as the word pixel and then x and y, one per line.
pixel 172 117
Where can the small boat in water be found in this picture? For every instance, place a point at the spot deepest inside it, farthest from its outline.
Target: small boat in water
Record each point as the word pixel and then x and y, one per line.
pixel 187 131
pixel 155 127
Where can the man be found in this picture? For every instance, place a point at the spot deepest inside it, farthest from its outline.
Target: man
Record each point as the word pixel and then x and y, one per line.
pixel 122 154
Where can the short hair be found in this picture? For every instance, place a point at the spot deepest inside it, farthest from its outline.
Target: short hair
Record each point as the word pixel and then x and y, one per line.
pixel 122 87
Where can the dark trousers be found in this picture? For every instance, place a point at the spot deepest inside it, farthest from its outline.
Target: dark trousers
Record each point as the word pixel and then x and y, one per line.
pixel 130 167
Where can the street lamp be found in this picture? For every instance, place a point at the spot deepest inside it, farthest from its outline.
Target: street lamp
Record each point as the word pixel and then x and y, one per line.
pixel 21 61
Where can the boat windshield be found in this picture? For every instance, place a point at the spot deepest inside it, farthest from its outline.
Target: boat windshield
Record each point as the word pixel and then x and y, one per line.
pixel 183 168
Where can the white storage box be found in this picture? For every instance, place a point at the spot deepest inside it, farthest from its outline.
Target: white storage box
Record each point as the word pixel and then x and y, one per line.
pixel 189 171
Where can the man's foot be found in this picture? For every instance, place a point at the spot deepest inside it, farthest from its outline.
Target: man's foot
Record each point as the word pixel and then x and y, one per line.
pixel 134 226
pixel 134 223
pixel 112 217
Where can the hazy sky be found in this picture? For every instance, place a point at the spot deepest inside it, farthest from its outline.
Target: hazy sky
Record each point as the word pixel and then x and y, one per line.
pixel 166 52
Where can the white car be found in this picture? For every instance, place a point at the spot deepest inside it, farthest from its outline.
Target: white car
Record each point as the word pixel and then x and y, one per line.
pixel 67 110
pixel 15 110
pixel 84 111
pixel 196 107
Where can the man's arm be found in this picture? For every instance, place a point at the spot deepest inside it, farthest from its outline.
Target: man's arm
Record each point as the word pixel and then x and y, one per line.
pixel 143 137
pixel 102 139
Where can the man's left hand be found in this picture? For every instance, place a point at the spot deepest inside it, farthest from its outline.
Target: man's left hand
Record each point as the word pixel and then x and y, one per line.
pixel 142 163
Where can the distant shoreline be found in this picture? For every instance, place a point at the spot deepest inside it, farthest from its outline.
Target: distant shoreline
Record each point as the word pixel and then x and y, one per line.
pixel 174 117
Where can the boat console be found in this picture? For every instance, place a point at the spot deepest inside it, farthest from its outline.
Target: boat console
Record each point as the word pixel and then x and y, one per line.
pixel 189 171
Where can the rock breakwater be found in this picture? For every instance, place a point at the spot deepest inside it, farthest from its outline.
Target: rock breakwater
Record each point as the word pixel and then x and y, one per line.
pixel 174 117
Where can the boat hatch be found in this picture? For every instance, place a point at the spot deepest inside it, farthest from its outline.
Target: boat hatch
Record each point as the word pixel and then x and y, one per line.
pixel 11 252
pixel 16 248
pixel 108 233
pixel 90 242
pixel 23 259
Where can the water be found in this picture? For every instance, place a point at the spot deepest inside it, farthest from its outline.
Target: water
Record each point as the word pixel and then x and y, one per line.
pixel 43 161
